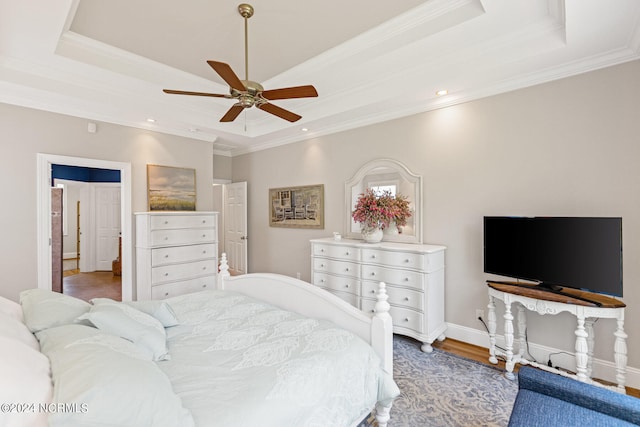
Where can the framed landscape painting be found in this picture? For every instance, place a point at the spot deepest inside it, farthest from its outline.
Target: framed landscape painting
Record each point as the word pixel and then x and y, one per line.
pixel 170 188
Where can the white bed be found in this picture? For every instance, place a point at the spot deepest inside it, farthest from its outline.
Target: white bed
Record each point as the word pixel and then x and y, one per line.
pixel 262 349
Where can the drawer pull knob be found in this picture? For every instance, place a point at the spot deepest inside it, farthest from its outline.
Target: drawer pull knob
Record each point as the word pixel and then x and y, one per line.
pixel 346 269
pixel 406 279
pixel 204 268
pixel 321 250
pixel 166 294
pixel 406 298
pixel 373 257
pixel 204 221
pixel 406 319
pixel 166 222
pixel 373 273
pixel 373 291
pixel 406 260
pixel 321 265
pixel 346 286
pixel 166 238
pixel 166 274
pixel 166 256
pixel 372 310
pixel 204 252
pixel 204 235
pixel 204 286
pixel 321 280
pixel 347 253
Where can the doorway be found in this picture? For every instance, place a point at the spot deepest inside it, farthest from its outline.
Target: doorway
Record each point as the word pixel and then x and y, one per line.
pixel 90 232
pixel 230 199
pixel 45 162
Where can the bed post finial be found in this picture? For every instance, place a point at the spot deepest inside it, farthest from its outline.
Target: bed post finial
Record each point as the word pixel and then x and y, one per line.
pixel 382 329
pixel 223 270
pixel 382 306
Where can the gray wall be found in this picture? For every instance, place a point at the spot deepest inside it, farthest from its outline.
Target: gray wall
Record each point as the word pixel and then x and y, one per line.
pixel 26 132
pixel 568 147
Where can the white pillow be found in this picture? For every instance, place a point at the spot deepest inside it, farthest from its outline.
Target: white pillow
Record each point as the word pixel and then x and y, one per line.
pixel 11 308
pixel 26 380
pixel 16 330
pixel 110 380
pixel 44 309
pixel 129 323
pixel 161 310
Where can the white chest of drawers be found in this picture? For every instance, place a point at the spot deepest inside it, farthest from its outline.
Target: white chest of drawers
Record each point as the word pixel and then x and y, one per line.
pixel 176 253
pixel 414 275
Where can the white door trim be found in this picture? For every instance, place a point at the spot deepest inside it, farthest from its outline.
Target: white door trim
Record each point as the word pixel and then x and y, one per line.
pixel 44 162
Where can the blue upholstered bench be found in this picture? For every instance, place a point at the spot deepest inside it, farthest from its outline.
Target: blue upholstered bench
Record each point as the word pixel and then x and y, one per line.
pixel 547 399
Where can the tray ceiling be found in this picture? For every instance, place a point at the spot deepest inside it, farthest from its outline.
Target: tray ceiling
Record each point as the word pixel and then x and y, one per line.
pixel 109 60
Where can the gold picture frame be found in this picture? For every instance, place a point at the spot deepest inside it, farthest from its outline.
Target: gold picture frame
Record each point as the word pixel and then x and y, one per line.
pixel 297 207
pixel 171 188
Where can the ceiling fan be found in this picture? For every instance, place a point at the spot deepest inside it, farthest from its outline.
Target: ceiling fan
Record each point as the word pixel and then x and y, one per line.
pixel 249 93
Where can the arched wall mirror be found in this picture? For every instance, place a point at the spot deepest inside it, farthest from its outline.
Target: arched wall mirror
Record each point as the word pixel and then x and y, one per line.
pixel 386 174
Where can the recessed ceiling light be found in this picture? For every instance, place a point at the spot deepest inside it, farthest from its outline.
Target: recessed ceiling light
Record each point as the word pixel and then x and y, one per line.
pixel 151 120
pixel 194 130
pixel 442 92
pixel 304 129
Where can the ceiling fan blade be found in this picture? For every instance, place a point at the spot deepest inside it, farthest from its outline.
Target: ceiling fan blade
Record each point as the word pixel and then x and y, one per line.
pixel 227 74
pixel 280 112
pixel 182 92
pixel 232 113
pixel 307 91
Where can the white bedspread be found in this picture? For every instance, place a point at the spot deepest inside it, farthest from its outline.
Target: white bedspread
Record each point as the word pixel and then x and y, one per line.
pixel 236 361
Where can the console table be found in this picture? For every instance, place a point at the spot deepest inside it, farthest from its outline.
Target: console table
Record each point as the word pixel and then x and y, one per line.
pixel 585 306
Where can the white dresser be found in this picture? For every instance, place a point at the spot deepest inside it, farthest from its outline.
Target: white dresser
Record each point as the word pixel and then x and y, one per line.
pixel 176 253
pixel 414 275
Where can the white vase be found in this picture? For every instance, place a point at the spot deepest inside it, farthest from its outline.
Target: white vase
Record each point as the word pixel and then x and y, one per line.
pixel 391 230
pixel 373 236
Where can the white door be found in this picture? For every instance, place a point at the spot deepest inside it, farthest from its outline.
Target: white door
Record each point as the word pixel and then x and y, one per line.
pixel 107 225
pixel 235 226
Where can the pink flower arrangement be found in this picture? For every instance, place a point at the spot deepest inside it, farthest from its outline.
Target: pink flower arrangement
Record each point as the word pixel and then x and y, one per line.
pixel 374 211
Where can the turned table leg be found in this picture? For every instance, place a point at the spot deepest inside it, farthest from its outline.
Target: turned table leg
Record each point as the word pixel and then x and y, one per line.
pixel 522 328
pixel 581 350
pixel 588 325
pixel 620 355
pixel 492 325
pixel 508 339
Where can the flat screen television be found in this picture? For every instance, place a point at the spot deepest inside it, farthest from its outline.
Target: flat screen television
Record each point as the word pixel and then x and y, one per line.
pixel 576 252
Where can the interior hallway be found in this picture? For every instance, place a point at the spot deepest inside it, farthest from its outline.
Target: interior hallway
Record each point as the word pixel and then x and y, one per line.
pixel 91 285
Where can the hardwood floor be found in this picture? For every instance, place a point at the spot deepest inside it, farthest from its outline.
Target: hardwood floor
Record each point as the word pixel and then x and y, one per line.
pixel 91 285
pixel 481 354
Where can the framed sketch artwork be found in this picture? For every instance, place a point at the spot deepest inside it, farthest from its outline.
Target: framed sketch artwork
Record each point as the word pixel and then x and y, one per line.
pixel 297 207
pixel 170 188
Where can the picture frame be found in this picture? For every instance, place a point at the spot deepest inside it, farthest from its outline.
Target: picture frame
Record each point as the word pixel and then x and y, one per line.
pixel 297 207
pixel 171 188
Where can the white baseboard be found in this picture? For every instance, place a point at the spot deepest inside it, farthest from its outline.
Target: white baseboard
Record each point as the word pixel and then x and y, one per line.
pixel 602 369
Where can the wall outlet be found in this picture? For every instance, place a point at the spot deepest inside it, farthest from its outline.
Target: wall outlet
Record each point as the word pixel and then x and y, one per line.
pixel 479 314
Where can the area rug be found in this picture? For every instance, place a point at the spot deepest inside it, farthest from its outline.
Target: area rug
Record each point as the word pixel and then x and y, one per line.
pixel 442 389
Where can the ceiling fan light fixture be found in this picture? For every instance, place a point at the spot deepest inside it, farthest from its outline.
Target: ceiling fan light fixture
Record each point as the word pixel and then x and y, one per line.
pixel 249 93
